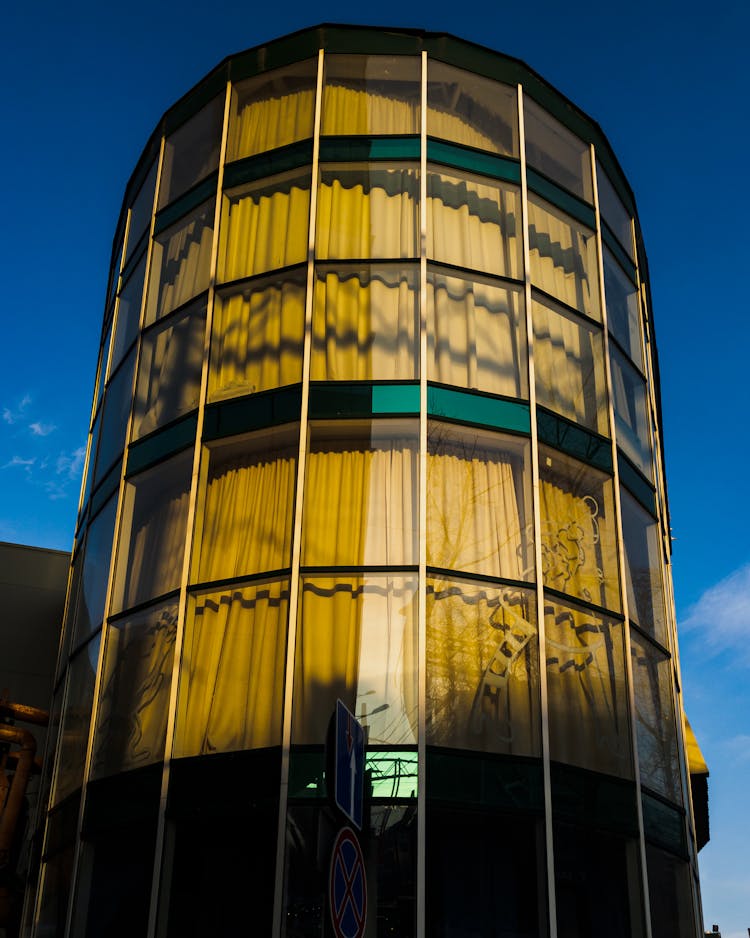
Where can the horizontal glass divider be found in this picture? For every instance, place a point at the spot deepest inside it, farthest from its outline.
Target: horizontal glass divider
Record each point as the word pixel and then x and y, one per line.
pixel 344 149
pixel 200 193
pixel 649 639
pixel 254 278
pixel 593 799
pixel 452 574
pixel 162 598
pixel 662 799
pixel 333 400
pixel 349 262
pixel 232 581
pixel 123 358
pixel 358 570
pixel 79 642
pixel 478 408
pixel 133 260
pixel 561 198
pixel 444 266
pixel 570 600
pixel 468 780
pixel 626 354
pixel 664 823
pixel 174 313
pixel 541 296
pixel 636 483
pixel 161 444
pixel 443 153
pixel 105 488
pixel 622 257
pixel 189 105
pixel 271 163
pixel 237 415
pixel 579 442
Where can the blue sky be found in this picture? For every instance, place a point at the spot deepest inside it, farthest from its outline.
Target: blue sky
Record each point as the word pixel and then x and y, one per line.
pixel 83 85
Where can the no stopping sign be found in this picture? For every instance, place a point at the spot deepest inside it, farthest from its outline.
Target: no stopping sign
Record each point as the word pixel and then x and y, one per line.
pixel 347 886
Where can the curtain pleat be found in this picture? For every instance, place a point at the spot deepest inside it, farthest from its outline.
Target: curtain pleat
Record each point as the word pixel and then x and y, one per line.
pixel 261 125
pixel 354 111
pixel 185 263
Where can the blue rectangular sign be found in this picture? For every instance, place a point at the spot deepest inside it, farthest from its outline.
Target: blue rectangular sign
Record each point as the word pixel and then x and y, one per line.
pixel 350 765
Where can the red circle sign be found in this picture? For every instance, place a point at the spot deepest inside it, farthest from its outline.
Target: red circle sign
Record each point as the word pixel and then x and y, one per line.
pixel 347 886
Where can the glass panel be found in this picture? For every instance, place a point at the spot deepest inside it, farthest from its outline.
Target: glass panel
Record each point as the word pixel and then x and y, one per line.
pixel 264 225
pixel 95 571
pixel 357 642
pixel 471 110
pixel 613 211
pixel 152 532
pixel 556 151
pixel 569 366
pixel 476 333
pixel 371 94
pixel 369 210
pixel 115 417
pixel 249 506
pixel 643 568
pixel 272 110
pixel 482 668
pixel 55 880
pixel 657 734
pixel 365 323
pixel 169 372
pixel 90 464
pixel 630 399
pixel 670 894
pixel 134 700
pixel 579 555
pixel 478 502
pixel 623 314
pixel 74 735
pixel 141 210
pixel 562 255
pixel 192 151
pixel 103 363
pixel 587 697
pixel 232 670
pixel 258 333
pixel 473 221
pixel 128 312
pixel 180 262
pixel 361 494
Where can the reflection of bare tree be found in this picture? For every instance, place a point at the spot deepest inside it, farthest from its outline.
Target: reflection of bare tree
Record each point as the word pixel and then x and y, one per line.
pixel 657 735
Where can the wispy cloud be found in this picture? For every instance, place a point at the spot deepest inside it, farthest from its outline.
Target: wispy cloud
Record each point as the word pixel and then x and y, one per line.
pixel 41 429
pixel 19 461
pixel 723 613
pixel 71 464
pixel 12 415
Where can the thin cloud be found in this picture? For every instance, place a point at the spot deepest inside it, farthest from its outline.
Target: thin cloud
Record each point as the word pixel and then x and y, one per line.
pixel 12 416
pixel 71 464
pixel 723 614
pixel 19 461
pixel 41 429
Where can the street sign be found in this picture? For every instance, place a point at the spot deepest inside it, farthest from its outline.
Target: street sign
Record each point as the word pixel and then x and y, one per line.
pixel 349 765
pixel 347 887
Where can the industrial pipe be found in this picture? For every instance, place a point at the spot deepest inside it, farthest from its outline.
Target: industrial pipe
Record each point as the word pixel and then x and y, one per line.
pixel 14 800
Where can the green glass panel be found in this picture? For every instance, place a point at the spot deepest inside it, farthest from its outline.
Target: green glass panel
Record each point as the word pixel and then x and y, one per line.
pixel 252 413
pixel 561 199
pixel 395 399
pixel 574 440
pixel 505 782
pixel 161 444
pixel 664 825
pixel 636 484
pixel 448 154
pixel 614 245
pixel 594 800
pixel 280 160
pixel 476 409
pixel 346 149
pixel 187 203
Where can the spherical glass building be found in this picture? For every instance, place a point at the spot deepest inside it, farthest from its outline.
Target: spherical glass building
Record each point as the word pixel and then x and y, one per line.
pixel 376 419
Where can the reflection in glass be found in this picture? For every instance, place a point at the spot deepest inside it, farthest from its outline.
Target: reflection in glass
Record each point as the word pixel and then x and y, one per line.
pixel 272 110
pixel 569 366
pixel 192 151
pixel 482 668
pixel 369 210
pixel 643 568
pixel 128 312
pixel 248 513
pixel 365 322
pixel 579 555
pixel 476 336
pixel 264 225
pixel 469 109
pixel 361 494
pixel 152 532
pixel 232 671
pixel 587 697
pixel 115 416
pixel 669 894
pixel 555 151
pixel 623 314
pixel 474 222
pixel 180 262
pixel 169 371
pixel 613 211
pixel 657 733
pixel 357 642
pixel 95 571
pixel 258 332
pixel 134 699
pixel 562 254
pixel 371 94
pixel 54 892
pixel 631 412
pixel 140 212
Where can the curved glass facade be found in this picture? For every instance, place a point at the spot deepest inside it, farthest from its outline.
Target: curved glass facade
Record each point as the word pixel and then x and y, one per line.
pixel 376 419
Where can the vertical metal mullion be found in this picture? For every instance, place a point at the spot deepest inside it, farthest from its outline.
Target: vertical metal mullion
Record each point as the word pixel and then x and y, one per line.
pixel 161 824
pixel 630 688
pixel 278 897
pixel 536 498
pixel 422 522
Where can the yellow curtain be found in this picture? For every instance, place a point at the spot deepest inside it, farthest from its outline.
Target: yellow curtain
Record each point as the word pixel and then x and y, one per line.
pixel 562 256
pixel 474 223
pixel 450 126
pixel 257 339
pixel 264 228
pixel 360 503
pixel 587 704
pixel 473 517
pixel 134 703
pixel 232 672
pixel 260 125
pixel 474 335
pixel 181 263
pixel 364 326
pixel 357 641
pixel 368 214
pixel 354 111
pixel 482 668
pixel 247 525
